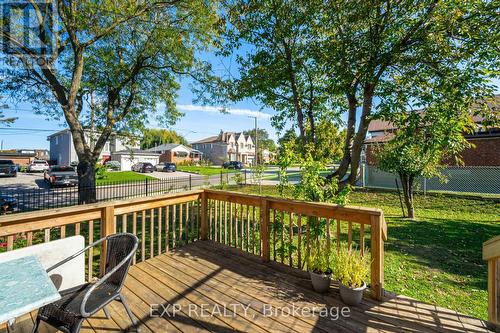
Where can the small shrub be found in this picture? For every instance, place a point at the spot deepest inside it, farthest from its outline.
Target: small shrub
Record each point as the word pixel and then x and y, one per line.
pixel 318 259
pixel 350 267
pixel 100 171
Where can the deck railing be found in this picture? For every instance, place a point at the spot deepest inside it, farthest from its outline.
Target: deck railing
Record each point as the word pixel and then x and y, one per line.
pixel 275 229
pixel 279 229
pixel 491 253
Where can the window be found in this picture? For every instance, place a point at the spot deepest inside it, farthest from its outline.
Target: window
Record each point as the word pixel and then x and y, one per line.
pixel 57 139
pixel 241 145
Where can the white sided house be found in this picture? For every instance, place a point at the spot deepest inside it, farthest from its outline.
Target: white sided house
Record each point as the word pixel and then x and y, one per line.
pixel 227 146
pixel 117 148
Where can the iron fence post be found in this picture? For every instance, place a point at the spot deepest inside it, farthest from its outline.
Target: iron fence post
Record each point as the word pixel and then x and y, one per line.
pixel 146 187
pixel 190 187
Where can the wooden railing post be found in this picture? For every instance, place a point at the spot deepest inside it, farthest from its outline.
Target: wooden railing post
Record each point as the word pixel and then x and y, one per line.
pixel 108 227
pixel 493 291
pixel 204 218
pixel 491 253
pixel 377 251
pixel 264 230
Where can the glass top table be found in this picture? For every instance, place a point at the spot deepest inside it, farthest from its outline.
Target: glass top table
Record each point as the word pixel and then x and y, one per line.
pixel 24 286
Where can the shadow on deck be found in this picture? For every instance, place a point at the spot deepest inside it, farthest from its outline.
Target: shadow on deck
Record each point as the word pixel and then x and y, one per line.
pixel 205 287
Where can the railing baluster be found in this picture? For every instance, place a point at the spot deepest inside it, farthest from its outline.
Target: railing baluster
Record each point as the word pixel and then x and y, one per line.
pixel 143 235
pixel 299 241
pixel 253 229
pixel 77 229
pixel 10 243
pixel 362 239
pixel 159 229
pixel 29 238
pixel 282 225
pixel 290 245
pixel 91 250
pixel 231 224
pixel 167 229
pixel 63 232
pixel 338 235
pixel 47 235
pixel 181 221
pixel 248 229
pixel 212 216
pixel 275 225
pixel 134 231
pixel 124 222
pixel 174 227
pixel 225 223
pixel 349 235
pixel 328 235
pixel 188 217
pixel 151 233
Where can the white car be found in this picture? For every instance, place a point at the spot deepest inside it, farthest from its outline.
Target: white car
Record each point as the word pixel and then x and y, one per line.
pixel 38 166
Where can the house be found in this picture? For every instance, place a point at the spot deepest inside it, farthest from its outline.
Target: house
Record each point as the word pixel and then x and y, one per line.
pixel 227 146
pixel 117 148
pixel 484 152
pixel 268 156
pixel 177 153
pixel 129 157
pixel 18 156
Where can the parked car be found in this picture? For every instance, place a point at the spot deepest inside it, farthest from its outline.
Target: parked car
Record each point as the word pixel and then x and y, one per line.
pixel 61 175
pixel 7 203
pixel 38 166
pixel 233 165
pixel 113 165
pixel 166 167
pixel 143 167
pixel 8 168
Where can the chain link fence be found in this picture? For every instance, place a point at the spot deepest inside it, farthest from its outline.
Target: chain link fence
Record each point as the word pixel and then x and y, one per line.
pixel 466 179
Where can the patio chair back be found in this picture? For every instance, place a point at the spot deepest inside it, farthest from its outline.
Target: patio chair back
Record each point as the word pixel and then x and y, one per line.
pixel 119 247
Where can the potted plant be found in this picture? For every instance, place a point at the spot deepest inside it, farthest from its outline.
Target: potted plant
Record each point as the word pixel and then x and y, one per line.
pixel 318 265
pixel 351 270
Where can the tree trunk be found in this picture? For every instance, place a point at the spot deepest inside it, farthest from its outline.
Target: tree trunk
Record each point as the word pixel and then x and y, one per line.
pixel 86 181
pixel 407 183
pixel 346 158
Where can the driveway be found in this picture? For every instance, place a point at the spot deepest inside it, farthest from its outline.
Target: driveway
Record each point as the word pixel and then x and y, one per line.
pixel 23 181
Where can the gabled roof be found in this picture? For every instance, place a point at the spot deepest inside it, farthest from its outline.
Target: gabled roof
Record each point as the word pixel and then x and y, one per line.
pixel 210 139
pixel 135 152
pixel 166 146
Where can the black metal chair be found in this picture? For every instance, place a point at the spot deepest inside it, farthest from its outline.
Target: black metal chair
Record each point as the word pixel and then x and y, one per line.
pixel 83 301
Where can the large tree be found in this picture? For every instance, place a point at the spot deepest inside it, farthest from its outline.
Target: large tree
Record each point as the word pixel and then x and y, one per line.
pixel 123 56
pixel 364 59
pixel 275 65
pixel 152 137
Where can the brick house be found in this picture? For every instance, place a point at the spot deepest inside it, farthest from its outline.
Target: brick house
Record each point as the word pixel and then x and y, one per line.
pixel 486 140
pixel 177 153
pixel 227 146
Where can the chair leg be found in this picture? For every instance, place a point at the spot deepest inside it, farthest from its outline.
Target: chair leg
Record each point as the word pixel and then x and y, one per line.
pixel 106 312
pixel 37 324
pixel 130 314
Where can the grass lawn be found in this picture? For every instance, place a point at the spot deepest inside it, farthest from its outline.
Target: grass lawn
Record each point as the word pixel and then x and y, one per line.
pixel 437 257
pixel 122 177
pixel 204 170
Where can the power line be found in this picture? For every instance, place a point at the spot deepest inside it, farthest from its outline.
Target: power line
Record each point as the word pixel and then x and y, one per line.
pixel 28 129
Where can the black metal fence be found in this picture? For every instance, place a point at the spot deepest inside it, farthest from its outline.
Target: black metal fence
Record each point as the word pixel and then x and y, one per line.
pixel 25 200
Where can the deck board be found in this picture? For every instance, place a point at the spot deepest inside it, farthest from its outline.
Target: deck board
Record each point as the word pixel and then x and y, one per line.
pixel 213 276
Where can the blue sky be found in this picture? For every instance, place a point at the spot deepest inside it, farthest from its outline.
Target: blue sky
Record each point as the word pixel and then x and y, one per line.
pixel 31 130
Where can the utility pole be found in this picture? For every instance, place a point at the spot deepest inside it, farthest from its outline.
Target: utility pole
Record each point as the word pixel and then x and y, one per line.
pixel 256 141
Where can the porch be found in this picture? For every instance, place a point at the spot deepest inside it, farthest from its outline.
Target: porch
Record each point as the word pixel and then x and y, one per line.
pixel 222 262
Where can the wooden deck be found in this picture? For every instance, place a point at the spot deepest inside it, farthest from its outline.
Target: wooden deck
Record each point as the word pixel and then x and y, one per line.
pixel 203 277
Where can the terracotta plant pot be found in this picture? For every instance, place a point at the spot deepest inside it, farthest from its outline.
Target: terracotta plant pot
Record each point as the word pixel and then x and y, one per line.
pixel 320 282
pixel 351 296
